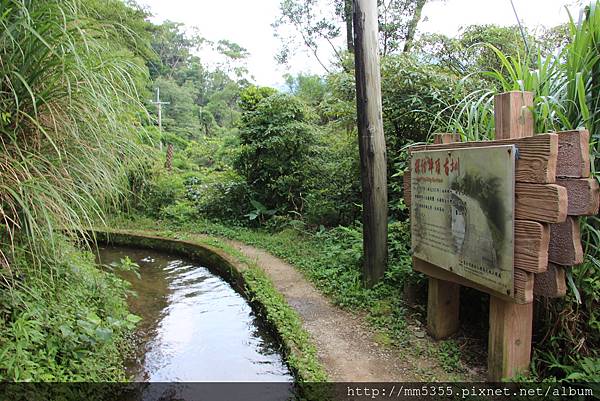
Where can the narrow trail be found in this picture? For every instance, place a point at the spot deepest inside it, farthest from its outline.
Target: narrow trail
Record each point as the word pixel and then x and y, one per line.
pixel 345 345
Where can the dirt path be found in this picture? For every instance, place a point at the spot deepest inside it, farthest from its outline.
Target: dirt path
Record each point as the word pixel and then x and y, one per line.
pixel 345 345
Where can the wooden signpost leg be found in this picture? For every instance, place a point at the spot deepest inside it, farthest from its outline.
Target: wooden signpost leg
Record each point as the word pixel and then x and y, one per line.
pixel 509 341
pixel 509 350
pixel 442 308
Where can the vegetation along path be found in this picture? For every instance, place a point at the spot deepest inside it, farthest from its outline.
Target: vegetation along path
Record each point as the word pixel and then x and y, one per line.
pixel 345 345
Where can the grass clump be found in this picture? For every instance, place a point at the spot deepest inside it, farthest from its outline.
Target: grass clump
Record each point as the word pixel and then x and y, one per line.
pixel 68 111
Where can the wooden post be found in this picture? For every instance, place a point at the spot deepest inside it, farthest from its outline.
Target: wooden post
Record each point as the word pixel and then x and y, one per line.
pixel 373 165
pixel 509 341
pixel 442 308
pixel 513 117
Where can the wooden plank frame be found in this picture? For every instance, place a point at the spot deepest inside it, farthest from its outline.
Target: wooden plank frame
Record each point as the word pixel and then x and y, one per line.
pixel 537 155
pixel 552 188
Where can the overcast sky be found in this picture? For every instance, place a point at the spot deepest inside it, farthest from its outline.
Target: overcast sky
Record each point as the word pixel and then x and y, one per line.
pixel 249 24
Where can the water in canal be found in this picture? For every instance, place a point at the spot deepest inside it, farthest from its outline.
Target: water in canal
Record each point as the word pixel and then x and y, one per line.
pixel 195 327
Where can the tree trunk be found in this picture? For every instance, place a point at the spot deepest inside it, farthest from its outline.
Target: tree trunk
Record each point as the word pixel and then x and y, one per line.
pixel 349 29
pixel 371 140
pixel 169 160
pixel 412 26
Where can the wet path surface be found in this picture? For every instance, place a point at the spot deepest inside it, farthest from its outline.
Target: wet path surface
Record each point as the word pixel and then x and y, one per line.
pixel 195 326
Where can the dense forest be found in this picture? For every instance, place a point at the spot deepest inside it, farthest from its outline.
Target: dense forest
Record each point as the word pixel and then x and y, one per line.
pixel 80 148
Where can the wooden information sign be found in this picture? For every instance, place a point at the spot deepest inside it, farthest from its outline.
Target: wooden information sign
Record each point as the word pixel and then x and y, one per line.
pixel 462 212
pixel 548 175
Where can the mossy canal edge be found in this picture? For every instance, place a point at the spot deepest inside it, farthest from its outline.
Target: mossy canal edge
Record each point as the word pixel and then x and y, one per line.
pixel 248 279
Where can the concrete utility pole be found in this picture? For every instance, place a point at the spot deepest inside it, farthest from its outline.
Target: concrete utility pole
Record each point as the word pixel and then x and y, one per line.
pixel 373 164
pixel 159 104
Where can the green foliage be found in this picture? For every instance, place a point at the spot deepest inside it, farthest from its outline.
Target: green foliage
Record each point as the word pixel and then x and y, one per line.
pixel 276 138
pixel 180 211
pixel 50 333
pixel 126 265
pixel 260 211
pixel 312 89
pixel 207 122
pixel 583 370
pixel 173 48
pixel 217 153
pixel 192 190
pixel 253 95
pixel 218 194
pixel 176 140
pixel 449 356
pixel 564 86
pixel 398 21
pixel 160 190
pixel 413 93
pixel 223 102
pixel 203 101
pixel 181 116
pixel 471 51
pixel 68 97
pixel 333 195
pixel 417 100
pixel 129 21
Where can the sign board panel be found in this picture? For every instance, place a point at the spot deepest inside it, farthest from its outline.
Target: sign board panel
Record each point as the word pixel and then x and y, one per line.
pixel 462 212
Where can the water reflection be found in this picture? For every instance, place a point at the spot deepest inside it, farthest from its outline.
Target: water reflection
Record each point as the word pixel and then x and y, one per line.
pixel 195 327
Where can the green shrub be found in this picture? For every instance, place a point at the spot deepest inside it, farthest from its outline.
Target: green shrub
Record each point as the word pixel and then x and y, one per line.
pixel 176 140
pixel 218 194
pixel 333 194
pixel 276 139
pixel 180 212
pixel 217 153
pixel 162 189
pixel 400 269
pixel 64 322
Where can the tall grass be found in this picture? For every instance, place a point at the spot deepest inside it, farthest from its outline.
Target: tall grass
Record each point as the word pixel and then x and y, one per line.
pixel 68 109
pixel 566 87
pixel 565 84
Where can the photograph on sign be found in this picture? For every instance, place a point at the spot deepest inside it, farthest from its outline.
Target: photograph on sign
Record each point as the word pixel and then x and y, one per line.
pixel 462 212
